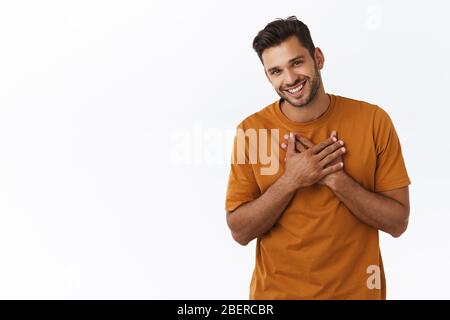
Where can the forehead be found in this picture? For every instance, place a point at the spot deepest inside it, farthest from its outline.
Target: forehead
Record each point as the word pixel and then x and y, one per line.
pixel 282 53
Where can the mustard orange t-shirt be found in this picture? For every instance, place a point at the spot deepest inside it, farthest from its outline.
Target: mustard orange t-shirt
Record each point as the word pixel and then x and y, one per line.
pixel 317 249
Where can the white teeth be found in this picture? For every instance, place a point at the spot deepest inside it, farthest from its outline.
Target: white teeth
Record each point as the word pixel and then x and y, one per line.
pixel 295 90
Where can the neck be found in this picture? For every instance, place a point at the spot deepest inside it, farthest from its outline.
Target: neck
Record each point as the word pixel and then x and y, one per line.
pixel 309 112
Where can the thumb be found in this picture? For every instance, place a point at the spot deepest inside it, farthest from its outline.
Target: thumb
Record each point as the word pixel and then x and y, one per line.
pixel 290 145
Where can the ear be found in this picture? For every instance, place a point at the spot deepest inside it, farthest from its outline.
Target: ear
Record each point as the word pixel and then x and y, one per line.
pixel 319 58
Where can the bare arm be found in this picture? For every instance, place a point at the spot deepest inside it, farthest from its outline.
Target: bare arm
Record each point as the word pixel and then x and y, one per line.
pixel 258 216
pixel 387 211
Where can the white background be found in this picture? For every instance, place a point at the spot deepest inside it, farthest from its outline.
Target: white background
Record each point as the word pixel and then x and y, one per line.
pixel 115 121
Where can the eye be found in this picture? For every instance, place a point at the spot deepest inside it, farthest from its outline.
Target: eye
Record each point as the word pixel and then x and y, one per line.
pixel 297 63
pixel 275 72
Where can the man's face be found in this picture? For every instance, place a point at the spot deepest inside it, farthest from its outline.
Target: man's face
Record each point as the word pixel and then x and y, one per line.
pixel 293 72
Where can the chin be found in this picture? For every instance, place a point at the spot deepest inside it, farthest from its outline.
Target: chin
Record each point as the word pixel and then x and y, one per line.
pixel 298 103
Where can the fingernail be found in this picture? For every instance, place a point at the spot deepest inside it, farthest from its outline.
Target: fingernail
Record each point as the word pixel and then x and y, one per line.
pixel 341 142
pixel 334 139
pixel 343 149
pixel 291 135
pixel 286 136
pixel 283 145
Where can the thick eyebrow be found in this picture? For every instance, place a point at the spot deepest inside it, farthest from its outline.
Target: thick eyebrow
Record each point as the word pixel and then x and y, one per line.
pixel 290 61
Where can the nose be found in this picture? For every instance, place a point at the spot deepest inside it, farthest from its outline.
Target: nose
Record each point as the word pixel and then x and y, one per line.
pixel 290 78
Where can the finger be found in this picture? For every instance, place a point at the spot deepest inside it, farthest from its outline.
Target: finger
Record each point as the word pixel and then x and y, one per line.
pixel 330 149
pixel 333 135
pixel 299 146
pixel 290 145
pixel 320 146
pixel 336 167
pixel 331 157
pixel 305 141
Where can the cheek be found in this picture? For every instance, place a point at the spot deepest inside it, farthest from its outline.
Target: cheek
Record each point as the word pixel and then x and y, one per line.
pixel 276 83
pixel 306 73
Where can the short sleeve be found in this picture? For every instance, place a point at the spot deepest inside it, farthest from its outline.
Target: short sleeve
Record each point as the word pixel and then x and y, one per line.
pixel 242 186
pixel 390 166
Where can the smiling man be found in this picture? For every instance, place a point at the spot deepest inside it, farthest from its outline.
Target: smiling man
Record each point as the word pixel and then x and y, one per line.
pixel 341 178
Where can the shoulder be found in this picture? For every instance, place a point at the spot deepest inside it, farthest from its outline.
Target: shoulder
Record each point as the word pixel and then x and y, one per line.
pixel 259 118
pixel 363 110
pixel 356 105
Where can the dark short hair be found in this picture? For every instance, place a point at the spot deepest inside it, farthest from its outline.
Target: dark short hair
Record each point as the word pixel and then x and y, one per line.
pixel 280 30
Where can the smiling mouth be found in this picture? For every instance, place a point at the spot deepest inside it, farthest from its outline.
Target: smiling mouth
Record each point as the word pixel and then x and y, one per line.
pixel 296 89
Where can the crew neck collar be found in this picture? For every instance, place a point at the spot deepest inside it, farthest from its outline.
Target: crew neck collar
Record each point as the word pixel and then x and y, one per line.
pixel 303 125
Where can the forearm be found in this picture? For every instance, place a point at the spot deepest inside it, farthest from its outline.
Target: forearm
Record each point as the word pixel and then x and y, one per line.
pixel 258 216
pixel 374 209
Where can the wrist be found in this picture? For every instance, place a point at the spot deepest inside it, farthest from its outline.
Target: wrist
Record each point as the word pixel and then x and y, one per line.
pixel 336 182
pixel 287 183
